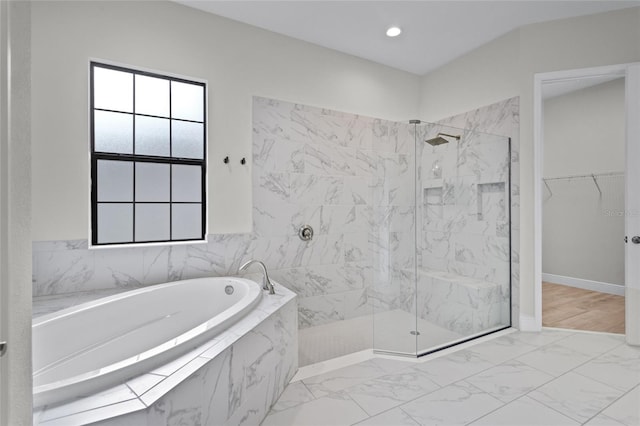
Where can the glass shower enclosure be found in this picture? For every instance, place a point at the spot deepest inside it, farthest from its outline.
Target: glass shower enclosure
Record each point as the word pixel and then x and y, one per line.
pixel 442 245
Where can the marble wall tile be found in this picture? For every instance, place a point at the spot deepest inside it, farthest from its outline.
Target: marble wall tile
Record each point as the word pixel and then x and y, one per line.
pixel 38 246
pixel 356 246
pixel 357 190
pixel 380 136
pixel 119 269
pixel 321 159
pixel 318 280
pixel 311 189
pixel 356 304
pixel 63 271
pixel 280 120
pixel 272 187
pixel 402 137
pixel 501 118
pixel 276 219
pixel 318 310
pixel 278 155
pixel 366 163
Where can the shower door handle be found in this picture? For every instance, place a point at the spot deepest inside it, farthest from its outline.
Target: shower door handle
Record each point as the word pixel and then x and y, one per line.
pixel 3 348
pixel 635 240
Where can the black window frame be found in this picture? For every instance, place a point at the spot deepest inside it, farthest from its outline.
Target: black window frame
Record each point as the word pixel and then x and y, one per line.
pixel 134 158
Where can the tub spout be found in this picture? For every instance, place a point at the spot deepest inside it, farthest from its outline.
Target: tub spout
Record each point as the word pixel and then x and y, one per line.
pixel 266 283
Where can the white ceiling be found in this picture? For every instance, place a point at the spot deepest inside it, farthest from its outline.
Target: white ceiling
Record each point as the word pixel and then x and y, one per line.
pixel 434 32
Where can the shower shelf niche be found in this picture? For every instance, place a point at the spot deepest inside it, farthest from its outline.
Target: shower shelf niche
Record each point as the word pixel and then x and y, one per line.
pixel 491 201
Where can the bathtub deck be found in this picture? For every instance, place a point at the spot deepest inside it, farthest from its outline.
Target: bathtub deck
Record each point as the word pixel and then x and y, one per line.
pixel 133 397
pixel 43 305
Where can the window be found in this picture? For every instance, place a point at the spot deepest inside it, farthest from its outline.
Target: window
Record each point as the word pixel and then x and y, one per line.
pixel 148 151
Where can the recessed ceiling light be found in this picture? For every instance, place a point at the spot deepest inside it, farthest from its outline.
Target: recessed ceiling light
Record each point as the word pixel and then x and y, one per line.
pixel 393 31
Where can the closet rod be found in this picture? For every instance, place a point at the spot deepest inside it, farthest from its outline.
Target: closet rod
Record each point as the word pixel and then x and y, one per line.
pixel 591 175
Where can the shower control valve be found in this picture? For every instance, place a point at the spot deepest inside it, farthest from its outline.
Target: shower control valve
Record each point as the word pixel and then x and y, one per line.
pixel 305 233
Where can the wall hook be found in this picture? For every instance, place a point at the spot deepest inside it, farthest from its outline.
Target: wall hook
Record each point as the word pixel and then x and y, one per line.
pixel 243 161
pixel 226 160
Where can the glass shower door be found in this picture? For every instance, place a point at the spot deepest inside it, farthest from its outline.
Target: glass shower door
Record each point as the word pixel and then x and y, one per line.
pixel 440 239
pixel 393 243
pixel 463 251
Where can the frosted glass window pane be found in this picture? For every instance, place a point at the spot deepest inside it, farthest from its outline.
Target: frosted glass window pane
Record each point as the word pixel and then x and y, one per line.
pixel 112 89
pixel 152 136
pixel 152 182
pixel 186 183
pixel 152 222
pixel 186 221
pixel 113 132
pixel 115 180
pixel 187 101
pixel 187 139
pixel 115 223
pixel 152 96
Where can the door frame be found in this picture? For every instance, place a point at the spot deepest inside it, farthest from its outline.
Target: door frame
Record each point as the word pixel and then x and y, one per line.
pixel 539 80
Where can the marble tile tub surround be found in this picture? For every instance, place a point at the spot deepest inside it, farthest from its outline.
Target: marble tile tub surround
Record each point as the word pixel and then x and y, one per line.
pixel 233 379
pixel 556 377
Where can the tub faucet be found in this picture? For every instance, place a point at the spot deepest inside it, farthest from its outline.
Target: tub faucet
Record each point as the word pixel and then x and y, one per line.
pixel 266 283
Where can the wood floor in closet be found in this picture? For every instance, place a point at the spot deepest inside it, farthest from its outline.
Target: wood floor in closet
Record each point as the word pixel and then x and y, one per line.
pixel 578 309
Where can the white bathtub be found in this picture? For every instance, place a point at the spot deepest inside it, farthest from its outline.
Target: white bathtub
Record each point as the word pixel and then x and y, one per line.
pixel 88 347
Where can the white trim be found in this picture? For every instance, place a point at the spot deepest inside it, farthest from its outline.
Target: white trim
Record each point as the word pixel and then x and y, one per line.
pixel 529 323
pixel 538 148
pixel 599 286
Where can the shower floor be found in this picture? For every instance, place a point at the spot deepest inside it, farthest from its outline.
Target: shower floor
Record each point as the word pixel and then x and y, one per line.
pixel 392 333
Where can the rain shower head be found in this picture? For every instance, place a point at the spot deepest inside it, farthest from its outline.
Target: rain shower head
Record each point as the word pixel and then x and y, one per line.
pixel 439 140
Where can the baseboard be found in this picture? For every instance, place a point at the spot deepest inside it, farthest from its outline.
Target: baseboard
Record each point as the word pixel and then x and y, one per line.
pixel 528 323
pixel 584 284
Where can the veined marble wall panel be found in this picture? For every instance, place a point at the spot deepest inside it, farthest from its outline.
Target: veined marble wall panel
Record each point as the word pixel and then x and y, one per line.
pixel 501 118
pixel 331 189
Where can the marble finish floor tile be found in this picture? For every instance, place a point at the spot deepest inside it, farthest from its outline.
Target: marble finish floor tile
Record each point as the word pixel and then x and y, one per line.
pixel 325 411
pixel 510 380
pixel 343 378
pixel 554 359
pixel 457 404
pixel 626 410
pixel 576 396
pixel 525 412
pixel 395 417
pixel 454 367
pixel 602 420
pixel 541 339
pixel 592 344
pixel 383 393
pixel 502 349
pixel 294 394
pixel 618 371
pixel 550 378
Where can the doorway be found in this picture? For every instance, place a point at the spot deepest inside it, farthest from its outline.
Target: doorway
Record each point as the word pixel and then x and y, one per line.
pixel 580 205
pixel 583 203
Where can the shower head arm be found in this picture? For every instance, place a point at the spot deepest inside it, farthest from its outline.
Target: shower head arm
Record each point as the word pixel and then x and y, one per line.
pixel 451 136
